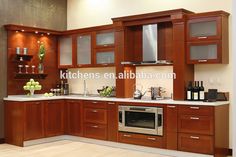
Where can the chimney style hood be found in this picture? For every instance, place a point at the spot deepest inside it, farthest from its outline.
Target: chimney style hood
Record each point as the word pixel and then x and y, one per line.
pixel 150 47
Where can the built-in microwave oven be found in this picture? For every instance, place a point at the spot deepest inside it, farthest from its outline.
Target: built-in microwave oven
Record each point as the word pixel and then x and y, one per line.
pixel 140 119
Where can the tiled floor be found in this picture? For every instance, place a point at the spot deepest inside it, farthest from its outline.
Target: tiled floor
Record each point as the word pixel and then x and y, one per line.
pixel 69 149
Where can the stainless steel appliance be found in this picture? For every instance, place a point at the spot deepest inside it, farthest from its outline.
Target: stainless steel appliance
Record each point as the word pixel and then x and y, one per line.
pixel 137 119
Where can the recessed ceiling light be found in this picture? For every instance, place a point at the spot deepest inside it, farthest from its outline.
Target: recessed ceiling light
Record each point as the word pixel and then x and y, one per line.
pixel 22 30
pixel 17 31
pixel 48 33
pixel 36 32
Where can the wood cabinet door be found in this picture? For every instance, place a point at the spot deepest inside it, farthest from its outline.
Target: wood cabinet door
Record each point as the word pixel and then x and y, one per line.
pixel 196 124
pixel 74 117
pixel 54 118
pixel 34 120
pixel 171 127
pixel 92 115
pixel 112 121
pixel 97 131
pixel 195 143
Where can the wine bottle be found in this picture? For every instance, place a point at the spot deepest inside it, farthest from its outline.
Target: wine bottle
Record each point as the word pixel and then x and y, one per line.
pixel 189 91
pixel 195 91
pixel 201 92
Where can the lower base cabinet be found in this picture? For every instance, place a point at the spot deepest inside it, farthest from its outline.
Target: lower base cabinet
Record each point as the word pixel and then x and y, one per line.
pixel 195 143
pixel 54 118
pixel 97 131
pixel 140 139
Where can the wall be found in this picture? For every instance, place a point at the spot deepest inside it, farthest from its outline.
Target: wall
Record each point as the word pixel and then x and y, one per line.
pixel 40 13
pixel 87 13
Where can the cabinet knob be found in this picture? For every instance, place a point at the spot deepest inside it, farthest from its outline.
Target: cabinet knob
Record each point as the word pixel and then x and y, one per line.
pixel 194 118
pixel 195 108
pixel 151 138
pixel 202 37
pixel 171 106
pixel 195 137
pixel 126 135
pixel 202 60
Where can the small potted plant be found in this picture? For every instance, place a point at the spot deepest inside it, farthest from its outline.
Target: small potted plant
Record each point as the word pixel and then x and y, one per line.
pixel 41 56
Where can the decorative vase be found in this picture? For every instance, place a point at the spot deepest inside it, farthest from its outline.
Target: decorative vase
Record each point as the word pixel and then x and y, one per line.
pixel 41 68
pixel 31 92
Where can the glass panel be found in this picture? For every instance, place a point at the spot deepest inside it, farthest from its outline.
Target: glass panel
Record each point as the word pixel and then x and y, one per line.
pixel 140 119
pixel 105 38
pixel 203 52
pixel 105 57
pixel 207 28
pixel 84 49
pixel 66 51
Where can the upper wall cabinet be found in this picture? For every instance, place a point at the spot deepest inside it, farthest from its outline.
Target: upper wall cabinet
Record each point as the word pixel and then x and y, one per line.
pixel 104 48
pixel 207 38
pixel 65 52
pixel 84 50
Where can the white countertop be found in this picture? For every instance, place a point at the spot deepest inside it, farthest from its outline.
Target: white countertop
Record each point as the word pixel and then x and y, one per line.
pixel 39 97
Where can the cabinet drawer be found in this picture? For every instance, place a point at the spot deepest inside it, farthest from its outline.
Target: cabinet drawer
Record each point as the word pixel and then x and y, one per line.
pixel 95 104
pixel 196 110
pixel 97 131
pixel 195 143
pixel 139 139
pixel 195 124
pixel 93 115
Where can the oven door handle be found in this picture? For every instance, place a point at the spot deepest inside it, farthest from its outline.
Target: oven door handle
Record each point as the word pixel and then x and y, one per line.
pixel 138 109
pixel 160 124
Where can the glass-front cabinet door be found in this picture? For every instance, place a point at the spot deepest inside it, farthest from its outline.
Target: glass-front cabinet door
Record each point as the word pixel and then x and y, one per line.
pixel 205 52
pixel 204 28
pixel 104 39
pixel 105 57
pixel 84 50
pixel 65 52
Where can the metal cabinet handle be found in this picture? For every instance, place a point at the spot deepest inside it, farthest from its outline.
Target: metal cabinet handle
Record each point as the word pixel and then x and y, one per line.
pixel 37 103
pixel 195 137
pixel 94 102
pixel 94 126
pixel 151 138
pixel 171 106
pixel 194 118
pixel 202 60
pixel 104 64
pixel 126 135
pixel 202 37
pixel 111 103
pixel 195 108
pixel 105 45
pixel 94 111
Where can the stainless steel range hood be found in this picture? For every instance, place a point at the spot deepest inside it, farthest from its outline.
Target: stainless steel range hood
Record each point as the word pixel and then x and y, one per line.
pixel 150 47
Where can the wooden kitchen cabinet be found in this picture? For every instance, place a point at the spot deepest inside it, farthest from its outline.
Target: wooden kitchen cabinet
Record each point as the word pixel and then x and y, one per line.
pixel 74 117
pixel 66 52
pixel 141 139
pixel 207 38
pixel 171 127
pixel 112 121
pixel 54 118
pixel 84 49
pixel 95 119
pixel 34 120
pixel 195 143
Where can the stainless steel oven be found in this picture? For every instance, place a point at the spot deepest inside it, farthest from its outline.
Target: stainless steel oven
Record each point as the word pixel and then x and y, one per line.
pixel 139 119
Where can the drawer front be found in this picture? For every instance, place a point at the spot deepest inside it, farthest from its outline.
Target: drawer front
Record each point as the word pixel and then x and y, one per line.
pixel 195 124
pixel 195 143
pixel 93 115
pixel 196 110
pixel 139 139
pixel 95 104
pixel 96 131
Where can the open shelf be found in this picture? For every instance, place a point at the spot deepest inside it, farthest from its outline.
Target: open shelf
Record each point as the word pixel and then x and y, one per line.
pixel 24 58
pixel 30 75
